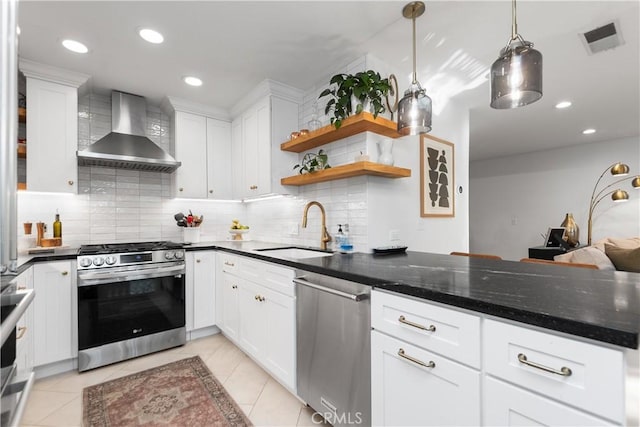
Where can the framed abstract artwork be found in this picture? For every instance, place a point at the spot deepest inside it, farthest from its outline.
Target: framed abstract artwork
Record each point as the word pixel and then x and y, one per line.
pixel 437 180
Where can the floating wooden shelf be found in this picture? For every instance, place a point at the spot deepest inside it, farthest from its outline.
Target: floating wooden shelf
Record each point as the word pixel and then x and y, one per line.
pixel 22 186
pixel 347 171
pixel 352 125
pixel 22 151
pixel 22 115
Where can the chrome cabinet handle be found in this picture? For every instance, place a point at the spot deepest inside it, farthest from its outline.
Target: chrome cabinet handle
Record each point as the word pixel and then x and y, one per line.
pixel 431 328
pixel 64 273
pixel 21 331
pixel 564 371
pixel 181 189
pixel 70 182
pixel 197 260
pixel 253 187
pixel 402 354
pixel 210 191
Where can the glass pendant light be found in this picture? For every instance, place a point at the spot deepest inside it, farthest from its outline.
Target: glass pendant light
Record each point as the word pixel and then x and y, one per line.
pixel 516 76
pixel 414 109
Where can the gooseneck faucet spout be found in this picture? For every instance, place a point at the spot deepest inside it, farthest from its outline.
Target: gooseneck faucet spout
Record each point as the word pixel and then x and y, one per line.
pixel 326 238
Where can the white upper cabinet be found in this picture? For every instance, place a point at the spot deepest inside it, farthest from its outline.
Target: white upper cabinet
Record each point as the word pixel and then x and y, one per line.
pixel 191 150
pixel 52 127
pixel 262 121
pixel 203 145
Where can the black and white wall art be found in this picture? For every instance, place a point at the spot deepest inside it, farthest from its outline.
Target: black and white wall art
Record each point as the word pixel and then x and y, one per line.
pixel 436 177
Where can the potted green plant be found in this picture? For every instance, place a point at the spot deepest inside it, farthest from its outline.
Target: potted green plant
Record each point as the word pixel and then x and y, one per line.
pixel 364 87
pixel 312 162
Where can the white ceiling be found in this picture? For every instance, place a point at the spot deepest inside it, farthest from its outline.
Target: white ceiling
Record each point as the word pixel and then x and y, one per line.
pixel 234 45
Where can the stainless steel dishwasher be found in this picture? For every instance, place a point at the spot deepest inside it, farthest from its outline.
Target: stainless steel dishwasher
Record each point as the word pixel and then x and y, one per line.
pixel 333 319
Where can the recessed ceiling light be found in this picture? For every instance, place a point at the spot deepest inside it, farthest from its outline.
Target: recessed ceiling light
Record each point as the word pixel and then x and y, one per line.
pixel 192 81
pixel 588 131
pixel 151 36
pixel 75 46
pixel 563 104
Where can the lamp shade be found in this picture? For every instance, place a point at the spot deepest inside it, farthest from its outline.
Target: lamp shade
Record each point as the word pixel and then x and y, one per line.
pixel 620 196
pixel 516 76
pixel 414 111
pixel 636 182
pixel 619 169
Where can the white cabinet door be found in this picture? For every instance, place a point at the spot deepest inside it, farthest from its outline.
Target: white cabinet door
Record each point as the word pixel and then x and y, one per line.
pixel 237 160
pixel 191 149
pixel 204 288
pixel 54 308
pixel 52 135
pixel 263 150
pixel 229 308
pixel 252 309
pixel 218 159
pixel 24 343
pixel 506 405
pixel 405 392
pixel 250 155
pixel 280 345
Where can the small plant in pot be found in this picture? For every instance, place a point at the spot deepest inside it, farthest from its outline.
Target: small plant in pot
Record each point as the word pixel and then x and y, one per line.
pixel 312 162
pixel 365 87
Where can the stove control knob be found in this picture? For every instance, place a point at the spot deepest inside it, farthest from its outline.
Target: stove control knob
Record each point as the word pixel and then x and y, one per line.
pixel 98 261
pixel 169 255
pixel 110 260
pixel 179 254
pixel 85 262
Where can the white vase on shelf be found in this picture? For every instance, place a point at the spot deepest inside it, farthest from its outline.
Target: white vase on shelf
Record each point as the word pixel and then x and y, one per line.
pixel 385 147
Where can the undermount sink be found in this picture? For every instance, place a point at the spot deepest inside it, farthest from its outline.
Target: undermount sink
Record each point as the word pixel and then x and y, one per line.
pixel 295 253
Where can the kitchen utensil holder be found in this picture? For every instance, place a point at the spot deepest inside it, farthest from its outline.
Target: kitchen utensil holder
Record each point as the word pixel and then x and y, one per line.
pixel 191 235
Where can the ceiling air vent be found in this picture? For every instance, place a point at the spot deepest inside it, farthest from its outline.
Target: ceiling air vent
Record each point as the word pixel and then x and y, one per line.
pixel 602 38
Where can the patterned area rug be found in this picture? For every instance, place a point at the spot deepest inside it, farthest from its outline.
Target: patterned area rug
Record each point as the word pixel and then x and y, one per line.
pixel 182 393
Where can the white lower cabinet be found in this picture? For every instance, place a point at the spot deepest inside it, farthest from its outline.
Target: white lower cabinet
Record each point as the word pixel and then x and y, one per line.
pixel 55 325
pixel 507 405
pixel 200 289
pixel 257 312
pixel 411 385
pixel 229 320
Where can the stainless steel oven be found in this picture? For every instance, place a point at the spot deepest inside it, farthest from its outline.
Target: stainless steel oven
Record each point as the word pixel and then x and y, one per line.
pixel 14 384
pixel 131 301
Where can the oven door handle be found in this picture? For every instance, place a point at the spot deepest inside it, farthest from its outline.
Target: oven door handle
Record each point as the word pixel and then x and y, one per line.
pixel 105 276
pixel 9 324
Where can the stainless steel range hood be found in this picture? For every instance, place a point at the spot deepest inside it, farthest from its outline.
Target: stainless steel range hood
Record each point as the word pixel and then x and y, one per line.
pixel 127 146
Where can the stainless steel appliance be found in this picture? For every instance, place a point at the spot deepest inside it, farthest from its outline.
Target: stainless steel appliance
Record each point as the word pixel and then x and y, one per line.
pixel 131 301
pixel 14 383
pixel 334 348
pixel 127 146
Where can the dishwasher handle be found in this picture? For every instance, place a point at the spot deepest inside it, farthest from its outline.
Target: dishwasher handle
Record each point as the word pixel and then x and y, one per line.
pixel 354 297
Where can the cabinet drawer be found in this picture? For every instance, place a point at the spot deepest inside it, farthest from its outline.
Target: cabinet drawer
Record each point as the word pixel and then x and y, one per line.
pixel 404 392
pixel 445 331
pixel 506 405
pixel 272 276
pixel 228 263
pixel 593 377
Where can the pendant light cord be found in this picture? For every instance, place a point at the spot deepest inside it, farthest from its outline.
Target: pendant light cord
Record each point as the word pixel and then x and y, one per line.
pixel 413 19
pixel 514 21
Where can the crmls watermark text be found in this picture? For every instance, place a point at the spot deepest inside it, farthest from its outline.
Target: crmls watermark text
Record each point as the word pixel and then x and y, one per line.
pixel 334 418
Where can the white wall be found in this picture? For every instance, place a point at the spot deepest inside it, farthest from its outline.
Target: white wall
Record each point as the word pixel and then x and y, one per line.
pixel 395 204
pixel 516 198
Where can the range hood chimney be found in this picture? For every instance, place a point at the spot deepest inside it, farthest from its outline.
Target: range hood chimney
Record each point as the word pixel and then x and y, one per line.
pixel 127 146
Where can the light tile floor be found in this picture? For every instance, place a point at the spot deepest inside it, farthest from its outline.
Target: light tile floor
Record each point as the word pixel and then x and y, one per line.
pixel 57 400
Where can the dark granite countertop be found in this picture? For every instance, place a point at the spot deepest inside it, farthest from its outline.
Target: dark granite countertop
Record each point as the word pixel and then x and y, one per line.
pixel 601 305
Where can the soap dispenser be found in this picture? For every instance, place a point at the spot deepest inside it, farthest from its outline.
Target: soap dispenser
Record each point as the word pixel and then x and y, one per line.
pixel 345 245
pixel 339 238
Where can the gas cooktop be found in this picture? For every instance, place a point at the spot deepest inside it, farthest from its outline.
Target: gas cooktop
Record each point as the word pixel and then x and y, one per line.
pixel 113 248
